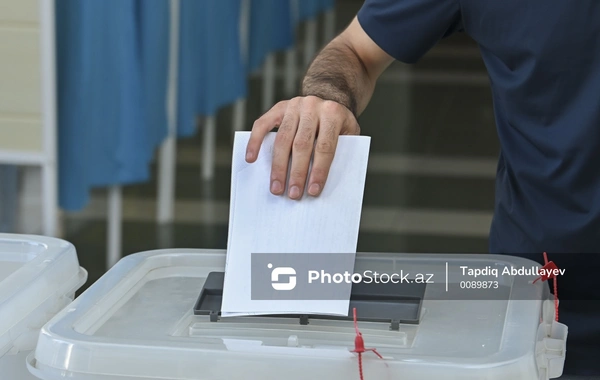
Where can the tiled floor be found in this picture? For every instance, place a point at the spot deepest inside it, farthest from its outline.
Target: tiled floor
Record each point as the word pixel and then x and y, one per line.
pixel 430 184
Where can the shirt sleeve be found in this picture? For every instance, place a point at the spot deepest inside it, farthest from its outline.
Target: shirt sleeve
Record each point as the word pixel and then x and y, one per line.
pixel 407 29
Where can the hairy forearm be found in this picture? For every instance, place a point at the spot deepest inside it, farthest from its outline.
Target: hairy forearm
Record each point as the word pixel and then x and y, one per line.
pixel 338 74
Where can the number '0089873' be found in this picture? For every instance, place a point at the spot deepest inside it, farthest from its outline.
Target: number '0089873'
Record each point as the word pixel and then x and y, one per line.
pixel 479 284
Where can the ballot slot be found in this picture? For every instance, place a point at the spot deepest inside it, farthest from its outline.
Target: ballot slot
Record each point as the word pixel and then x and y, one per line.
pixel 393 303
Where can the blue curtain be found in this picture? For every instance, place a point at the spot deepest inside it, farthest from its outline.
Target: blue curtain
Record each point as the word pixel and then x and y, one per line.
pixel 111 92
pixel 309 9
pixel 211 70
pixel 113 72
pixel 154 36
pixel 271 29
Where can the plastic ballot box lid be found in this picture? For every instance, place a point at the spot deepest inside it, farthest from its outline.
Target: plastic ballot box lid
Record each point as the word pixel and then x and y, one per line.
pixel 155 316
pixel 38 277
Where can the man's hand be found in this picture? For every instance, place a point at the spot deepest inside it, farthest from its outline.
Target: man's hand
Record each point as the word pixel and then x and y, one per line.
pixel 336 89
pixel 305 124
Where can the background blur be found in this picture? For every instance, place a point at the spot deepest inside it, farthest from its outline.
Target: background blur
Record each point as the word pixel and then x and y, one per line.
pixel 430 183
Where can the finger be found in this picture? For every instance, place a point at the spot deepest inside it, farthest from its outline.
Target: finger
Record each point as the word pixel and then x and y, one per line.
pixel 282 148
pixel 325 147
pixel 302 150
pixel 261 127
pixel 350 126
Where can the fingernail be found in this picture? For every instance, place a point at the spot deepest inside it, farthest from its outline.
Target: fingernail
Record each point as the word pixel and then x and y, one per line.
pixel 314 189
pixel 249 156
pixel 294 192
pixel 276 187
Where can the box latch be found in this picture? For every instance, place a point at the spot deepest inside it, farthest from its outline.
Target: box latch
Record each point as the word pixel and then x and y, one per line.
pixel 551 345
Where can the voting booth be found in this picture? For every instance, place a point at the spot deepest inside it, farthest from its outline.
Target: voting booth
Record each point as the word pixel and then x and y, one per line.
pixel 38 277
pixel 142 321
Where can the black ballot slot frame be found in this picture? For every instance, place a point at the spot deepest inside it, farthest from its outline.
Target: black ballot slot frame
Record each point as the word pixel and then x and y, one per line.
pixel 393 303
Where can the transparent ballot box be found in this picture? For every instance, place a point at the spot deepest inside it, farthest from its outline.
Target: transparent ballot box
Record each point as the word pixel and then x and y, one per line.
pixel 156 315
pixel 38 277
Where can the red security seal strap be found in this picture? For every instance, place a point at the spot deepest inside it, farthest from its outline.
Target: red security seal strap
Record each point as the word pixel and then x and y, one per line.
pixel 549 271
pixel 359 347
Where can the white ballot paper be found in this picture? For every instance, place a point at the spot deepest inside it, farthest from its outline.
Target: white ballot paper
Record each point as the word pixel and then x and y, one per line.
pixel 261 222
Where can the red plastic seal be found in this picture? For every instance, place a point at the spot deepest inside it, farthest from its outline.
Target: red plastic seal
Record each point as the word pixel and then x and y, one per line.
pixel 359 347
pixel 549 271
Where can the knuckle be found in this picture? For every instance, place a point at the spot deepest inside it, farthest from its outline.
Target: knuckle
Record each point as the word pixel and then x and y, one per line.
pixel 284 136
pixel 295 102
pixel 331 130
pixel 330 127
pixel 298 175
pixel 278 109
pixel 283 139
pixel 301 143
pixel 287 126
pixel 325 147
pixel 293 111
pixel 310 101
pixel 309 119
pixel 332 107
pixel 298 178
pixel 258 125
pixel 284 126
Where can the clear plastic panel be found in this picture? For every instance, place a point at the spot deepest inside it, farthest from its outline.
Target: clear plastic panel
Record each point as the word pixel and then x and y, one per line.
pixel 35 274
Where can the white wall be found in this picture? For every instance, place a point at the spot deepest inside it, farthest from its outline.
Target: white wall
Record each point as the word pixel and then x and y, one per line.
pixel 30 202
pixel 25 94
pixel 20 76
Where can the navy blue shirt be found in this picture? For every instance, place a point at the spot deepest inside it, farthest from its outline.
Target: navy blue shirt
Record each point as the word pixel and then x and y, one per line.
pixel 543 59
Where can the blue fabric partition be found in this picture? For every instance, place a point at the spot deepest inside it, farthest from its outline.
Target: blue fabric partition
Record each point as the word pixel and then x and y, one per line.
pixel 211 69
pixel 271 29
pixel 154 26
pixel 309 9
pixel 112 75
